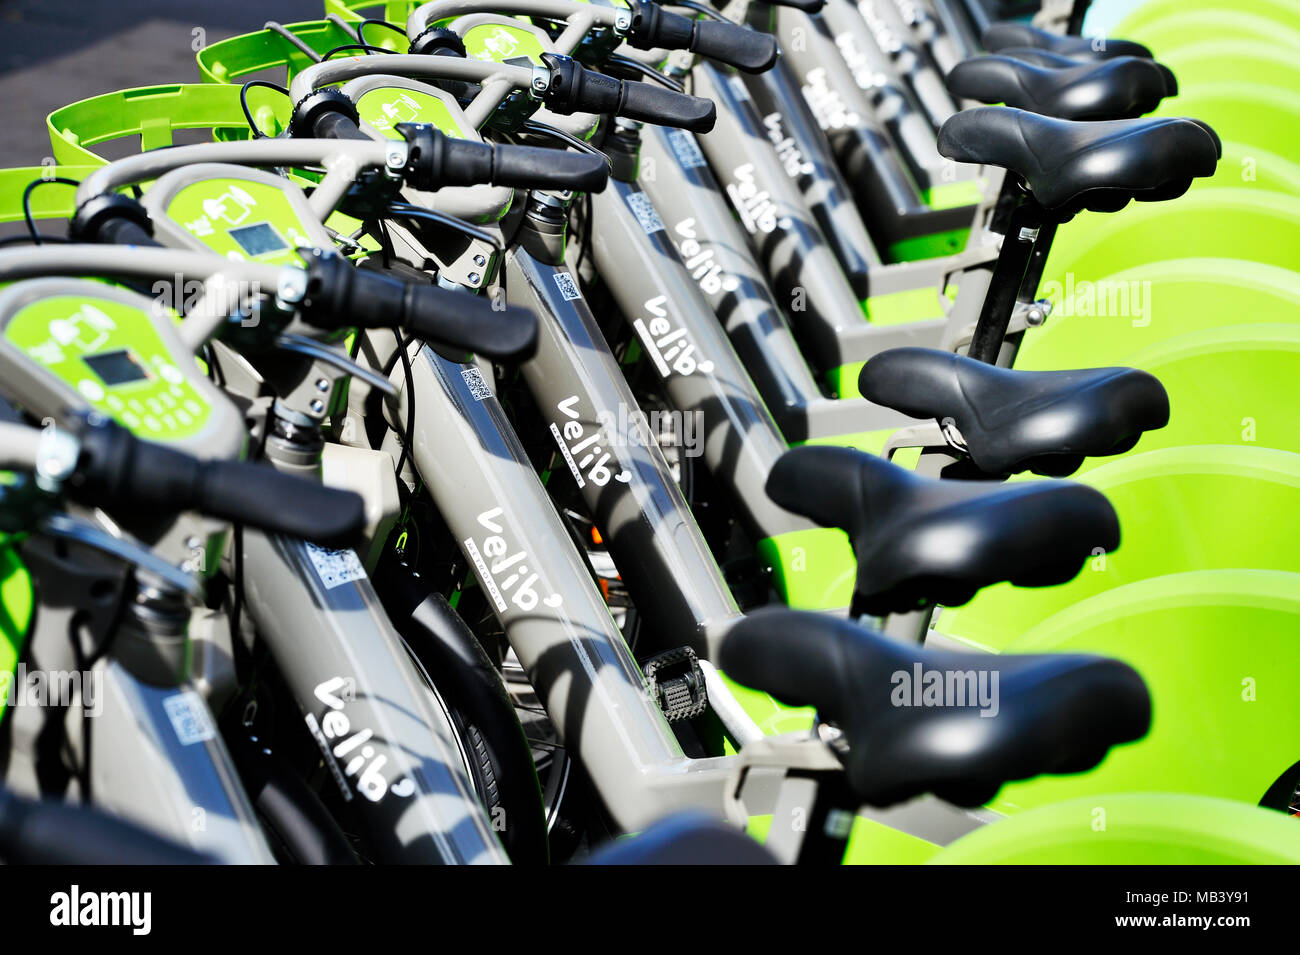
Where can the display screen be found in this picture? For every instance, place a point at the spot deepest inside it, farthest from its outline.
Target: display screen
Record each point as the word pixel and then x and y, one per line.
pixel 258 239
pixel 116 367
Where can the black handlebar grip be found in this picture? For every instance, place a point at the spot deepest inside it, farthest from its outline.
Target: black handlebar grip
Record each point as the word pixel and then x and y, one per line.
pixel 55 833
pixel 664 107
pixel 118 231
pixel 533 167
pixel 731 43
pixel 118 470
pixel 466 321
pixel 329 124
pixel 339 294
pixel 807 6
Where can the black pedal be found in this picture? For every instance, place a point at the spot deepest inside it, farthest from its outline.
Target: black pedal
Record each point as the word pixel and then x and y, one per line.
pixel 676 682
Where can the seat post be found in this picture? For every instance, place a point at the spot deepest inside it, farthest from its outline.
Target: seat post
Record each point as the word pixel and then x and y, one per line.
pixel 1021 238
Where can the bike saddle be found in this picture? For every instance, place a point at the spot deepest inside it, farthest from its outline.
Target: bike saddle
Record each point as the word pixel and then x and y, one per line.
pixel 1069 166
pixel 999 36
pixel 920 541
pixel 684 839
pixel 918 721
pixel 1111 89
pixel 1041 421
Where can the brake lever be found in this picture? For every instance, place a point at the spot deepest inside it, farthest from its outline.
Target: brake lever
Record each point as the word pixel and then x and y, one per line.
pixel 82 532
pixel 560 136
pixel 310 348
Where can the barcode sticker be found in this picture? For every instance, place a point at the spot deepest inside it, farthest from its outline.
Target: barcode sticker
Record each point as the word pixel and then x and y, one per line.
pixel 685 148
pixel 189 717
pixel 473 379
pixel 335 567
pixel 645 213
pixel 567 286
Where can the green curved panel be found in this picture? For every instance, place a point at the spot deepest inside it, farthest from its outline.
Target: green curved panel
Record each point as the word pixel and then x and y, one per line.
pixel 1134 22
pixel 1168 34
pixel 1217 648
pixel 1244 112
pixel 1180 510
pixel 1165 299
pixel 1219 60
pixel 1239 223
pixel 1133 828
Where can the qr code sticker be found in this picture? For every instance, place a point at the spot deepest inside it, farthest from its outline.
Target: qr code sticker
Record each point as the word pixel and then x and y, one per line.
pixel 474 380
pixel 685 148
pixel 335 567
pixel 189 717
pixel 645 213
pixel 567 286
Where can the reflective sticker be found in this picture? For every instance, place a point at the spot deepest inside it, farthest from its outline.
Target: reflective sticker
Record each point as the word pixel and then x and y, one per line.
pixel 189 717
pixel 335 567
pixel 645 213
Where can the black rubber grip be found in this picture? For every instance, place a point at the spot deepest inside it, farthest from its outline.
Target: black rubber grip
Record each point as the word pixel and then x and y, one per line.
pixel 329 124
pixel 664 107
pixel 738 46
pixel 118 231
pixel 119 471
pixel 340 295
pixel 55 833
pixel 532 167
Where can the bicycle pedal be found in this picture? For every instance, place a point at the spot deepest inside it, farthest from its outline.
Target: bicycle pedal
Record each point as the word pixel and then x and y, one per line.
pixel 676 683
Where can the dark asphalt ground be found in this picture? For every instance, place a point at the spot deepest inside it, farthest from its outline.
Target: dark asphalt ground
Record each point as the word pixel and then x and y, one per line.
pixel 55 52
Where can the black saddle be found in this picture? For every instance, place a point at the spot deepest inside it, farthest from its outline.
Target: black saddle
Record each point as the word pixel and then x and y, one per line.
pixel 1069 166
pixel 1110 89
pixel 1002 35
pixel 1012 421
pixel 1049 713
pixel 920 541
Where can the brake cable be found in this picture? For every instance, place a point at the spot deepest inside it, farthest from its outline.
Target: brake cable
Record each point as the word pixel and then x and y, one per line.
pixel 360 31
pixel 27 198
pixel 243 103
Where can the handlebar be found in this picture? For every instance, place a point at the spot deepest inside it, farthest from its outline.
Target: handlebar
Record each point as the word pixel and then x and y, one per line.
pixel 117 470
pixel 655 28
pixel 340 295
pixel 575 89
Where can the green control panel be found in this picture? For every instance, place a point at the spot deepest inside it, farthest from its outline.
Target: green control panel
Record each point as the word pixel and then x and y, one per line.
pixel 387 106
pixel 503 42
pixel 242 219
pixel 112 355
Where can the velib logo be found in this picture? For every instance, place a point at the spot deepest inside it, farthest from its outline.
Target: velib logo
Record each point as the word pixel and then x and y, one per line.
pixel 669 347
pixel 956 688
pixel 791 158
pixel 76 908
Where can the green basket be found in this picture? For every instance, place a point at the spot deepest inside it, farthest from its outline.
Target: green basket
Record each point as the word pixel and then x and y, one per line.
pixel 155 114
pixel 240 57
pixel 394 11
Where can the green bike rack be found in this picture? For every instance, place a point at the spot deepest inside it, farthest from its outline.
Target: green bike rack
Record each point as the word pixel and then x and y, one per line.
pixel 1239 222
pixel 1132 828
pixel 155 114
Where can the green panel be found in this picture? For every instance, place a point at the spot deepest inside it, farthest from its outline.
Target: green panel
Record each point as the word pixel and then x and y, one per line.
pixel 873 442
pixel 215 210
pixel 16 602
pixel 1166 299
pixel 501 43
pixel 773 718
pixel 1220 60
pixel 386 107
pixel 1256 168
pixel 952 195
pixel 1167 35
pixel 394 11
pixel 1238 223
pixel 909 305
pixel 930 246
pixel 60 332
pixel 1217 648
pixel 55 201
pixel 1133 829
pixel 1154 13
pixel 1180 510
pixel 1251 113
pixel 811 569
